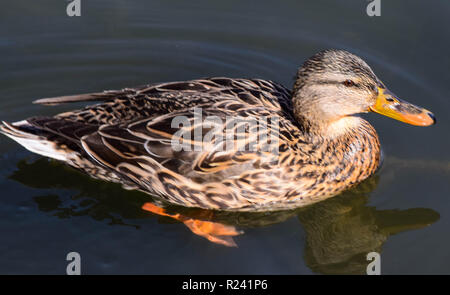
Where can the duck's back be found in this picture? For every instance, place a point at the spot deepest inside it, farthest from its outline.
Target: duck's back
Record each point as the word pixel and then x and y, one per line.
pixel 129 104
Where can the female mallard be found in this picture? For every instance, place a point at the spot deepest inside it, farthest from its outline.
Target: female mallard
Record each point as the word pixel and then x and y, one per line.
pixel 321 147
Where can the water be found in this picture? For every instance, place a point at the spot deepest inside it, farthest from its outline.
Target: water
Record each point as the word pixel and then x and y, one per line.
pixel 48 210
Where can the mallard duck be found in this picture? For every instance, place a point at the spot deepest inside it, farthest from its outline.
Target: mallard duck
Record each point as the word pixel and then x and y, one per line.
pixel 316 146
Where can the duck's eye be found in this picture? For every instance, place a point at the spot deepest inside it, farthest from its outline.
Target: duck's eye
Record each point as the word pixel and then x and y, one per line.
pixel 348 83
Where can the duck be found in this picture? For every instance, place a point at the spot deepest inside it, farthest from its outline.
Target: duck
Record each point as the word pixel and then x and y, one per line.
pixel 228 144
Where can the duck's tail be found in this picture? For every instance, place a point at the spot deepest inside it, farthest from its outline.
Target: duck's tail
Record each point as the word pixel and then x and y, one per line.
pixel 52 137
pixel 35 140
pixel 59 139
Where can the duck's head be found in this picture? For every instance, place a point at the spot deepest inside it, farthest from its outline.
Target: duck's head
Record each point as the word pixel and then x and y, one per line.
pixel 335 84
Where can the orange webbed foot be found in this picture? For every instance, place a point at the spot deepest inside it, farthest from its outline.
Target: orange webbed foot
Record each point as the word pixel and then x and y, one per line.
pixel 213 231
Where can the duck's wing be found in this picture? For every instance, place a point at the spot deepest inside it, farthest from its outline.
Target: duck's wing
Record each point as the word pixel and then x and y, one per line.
pixel 178 156
pixel 158 99
pixel 187 159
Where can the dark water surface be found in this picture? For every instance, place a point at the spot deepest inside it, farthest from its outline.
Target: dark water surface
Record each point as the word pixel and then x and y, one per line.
pixel 48 209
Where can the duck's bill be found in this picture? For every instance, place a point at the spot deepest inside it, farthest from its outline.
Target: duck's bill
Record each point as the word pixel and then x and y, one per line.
pixel 389 105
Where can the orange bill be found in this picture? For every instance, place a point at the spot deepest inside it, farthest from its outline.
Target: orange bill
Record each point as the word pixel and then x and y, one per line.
pixel 388 104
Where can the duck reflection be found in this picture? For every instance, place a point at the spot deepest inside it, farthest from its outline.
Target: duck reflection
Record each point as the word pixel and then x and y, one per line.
pixel 339 231
pixel 342 230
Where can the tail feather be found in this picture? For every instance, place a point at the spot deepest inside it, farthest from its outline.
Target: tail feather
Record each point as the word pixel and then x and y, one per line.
pixel 34 142
pixel 50 137
pixel 97 96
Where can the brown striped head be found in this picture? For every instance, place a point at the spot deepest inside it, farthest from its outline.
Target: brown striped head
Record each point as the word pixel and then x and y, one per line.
pixel 334 84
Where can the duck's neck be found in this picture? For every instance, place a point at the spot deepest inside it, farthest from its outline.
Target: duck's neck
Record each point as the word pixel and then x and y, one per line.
pixel 329 130
pixel 342 127
pixel 349 150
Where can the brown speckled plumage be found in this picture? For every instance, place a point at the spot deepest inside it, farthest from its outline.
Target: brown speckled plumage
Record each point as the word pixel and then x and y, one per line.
pixel 322 150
